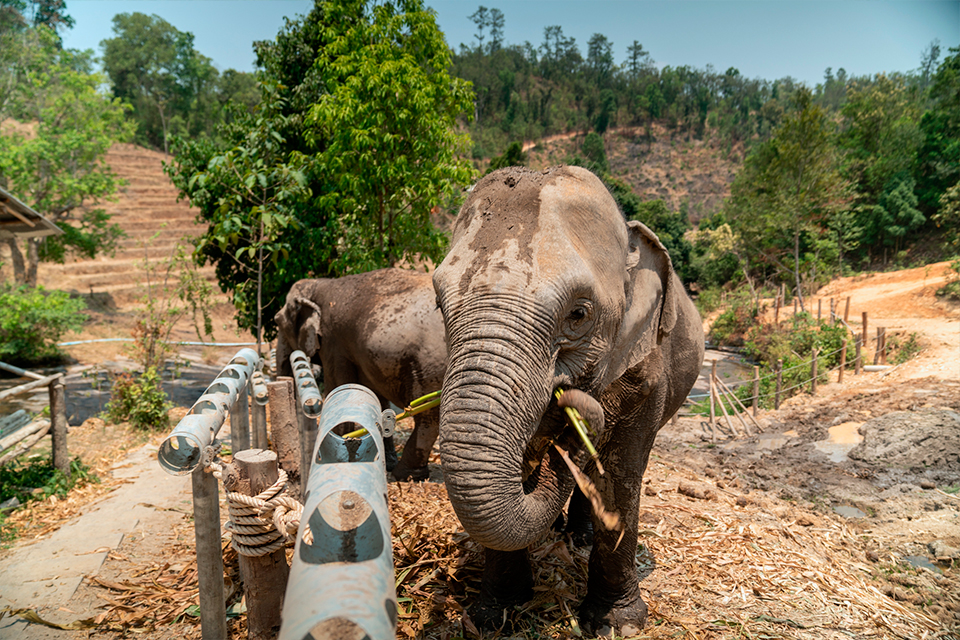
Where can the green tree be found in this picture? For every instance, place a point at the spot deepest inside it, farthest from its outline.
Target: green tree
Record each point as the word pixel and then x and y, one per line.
pixel 388 123
pixel 781 200
pixel 60 170
pixel 155 67
pixel 352 145
pixel 938 159
pixel 512 157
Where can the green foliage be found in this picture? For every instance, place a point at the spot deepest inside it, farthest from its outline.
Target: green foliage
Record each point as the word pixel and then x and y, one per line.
pixel 782 200
pixel 951 288
pixel 35 478
pixel 174 89
pixel 793 342
pixel 141 401
pixel 947 219
pixel 901 348
pixel 352 146
pixel 937 165
pixel 60 170
pixel 512 157
pixel 390 149
pixel 733 323
pixel 32 321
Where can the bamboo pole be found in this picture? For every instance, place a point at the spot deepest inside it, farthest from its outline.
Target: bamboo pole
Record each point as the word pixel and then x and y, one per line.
pixel 41 382
pixel 734 401
pixel 723 409
pixel 776 397
pixel 742 407
pixel 843 361
pixel 23 433
pixel 756 389
pixel 813 372
pixel 23 373
pixel 713 412
pixel 859 345
pixel 206 526
pixel 26 441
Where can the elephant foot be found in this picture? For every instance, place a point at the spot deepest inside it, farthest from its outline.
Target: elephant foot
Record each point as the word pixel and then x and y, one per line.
pixel 402 473
pixel 622 618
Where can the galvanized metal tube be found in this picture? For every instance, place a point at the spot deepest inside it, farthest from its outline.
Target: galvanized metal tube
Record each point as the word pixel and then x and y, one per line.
pixel 342 577
pixel 182 450
pixel 308 393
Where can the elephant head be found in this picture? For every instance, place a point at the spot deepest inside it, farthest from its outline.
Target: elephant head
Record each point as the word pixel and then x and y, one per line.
pixel 298 325
pixel 545 285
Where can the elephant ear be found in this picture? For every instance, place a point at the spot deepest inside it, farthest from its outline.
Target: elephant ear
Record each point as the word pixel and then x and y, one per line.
pixel 309 327
pixel 651 299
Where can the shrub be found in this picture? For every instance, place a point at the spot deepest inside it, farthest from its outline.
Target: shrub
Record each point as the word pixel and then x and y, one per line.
pixel 140 401
pixel 731 325
pixel 32 322
pixel 951 288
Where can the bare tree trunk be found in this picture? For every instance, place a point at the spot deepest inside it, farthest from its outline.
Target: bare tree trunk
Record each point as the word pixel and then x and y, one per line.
pixel 19 267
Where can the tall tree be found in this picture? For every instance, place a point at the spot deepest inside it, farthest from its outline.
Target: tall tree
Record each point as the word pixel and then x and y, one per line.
pixel 938 159
pixel 60 170
pixel 389 127
pixel 155 67
pixel 781 201
pixel 356 99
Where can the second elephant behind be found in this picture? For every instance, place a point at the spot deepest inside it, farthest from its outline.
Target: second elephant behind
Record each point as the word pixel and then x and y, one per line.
pixel 381 329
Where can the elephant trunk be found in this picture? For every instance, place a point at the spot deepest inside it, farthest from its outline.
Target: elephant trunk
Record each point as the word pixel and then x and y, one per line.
pixel 491 408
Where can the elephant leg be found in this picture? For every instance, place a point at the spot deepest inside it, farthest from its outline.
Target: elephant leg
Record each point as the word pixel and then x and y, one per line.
pixel 613 602
pixel 416 453
pixel 507 581
pixel 389 454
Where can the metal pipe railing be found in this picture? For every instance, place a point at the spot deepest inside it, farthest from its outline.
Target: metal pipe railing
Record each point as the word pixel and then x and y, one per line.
pixel 182 451
pixel 342 577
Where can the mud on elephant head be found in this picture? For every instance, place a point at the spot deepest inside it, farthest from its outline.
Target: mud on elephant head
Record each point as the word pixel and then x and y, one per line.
pixel 545 286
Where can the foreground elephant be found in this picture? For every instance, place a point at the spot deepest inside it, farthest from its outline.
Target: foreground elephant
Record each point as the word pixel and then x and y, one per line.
pixel 547 286
pixel 380 329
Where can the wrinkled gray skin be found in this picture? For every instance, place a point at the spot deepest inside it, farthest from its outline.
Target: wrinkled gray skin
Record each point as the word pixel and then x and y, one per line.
pixel 380 329
pixel 546 285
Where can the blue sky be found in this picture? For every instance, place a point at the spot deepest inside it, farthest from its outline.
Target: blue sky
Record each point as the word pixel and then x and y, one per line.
pixel 762 38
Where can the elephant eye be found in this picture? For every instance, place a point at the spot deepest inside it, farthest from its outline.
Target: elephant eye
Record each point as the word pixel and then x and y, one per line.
pixel 578 319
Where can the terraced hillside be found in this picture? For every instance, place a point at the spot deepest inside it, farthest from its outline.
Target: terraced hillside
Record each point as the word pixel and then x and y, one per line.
pixel 154 221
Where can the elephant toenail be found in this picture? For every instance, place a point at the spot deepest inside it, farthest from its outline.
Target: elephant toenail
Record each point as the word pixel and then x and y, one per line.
pixel 629 630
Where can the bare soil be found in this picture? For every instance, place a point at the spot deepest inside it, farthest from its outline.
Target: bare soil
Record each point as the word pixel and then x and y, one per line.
pixel 764 535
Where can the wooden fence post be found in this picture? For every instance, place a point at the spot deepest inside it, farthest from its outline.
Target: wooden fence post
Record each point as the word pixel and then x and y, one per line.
pixel 819 306
pixel 833 313
pixel 846 311
pixel 240 421
pixel 776 312
pixel 206 527
pixel 876 353
pixel 264 577
pixel 883 345
pixel 713 394
pixel 756 389
pixel 308 438
pixel 58 426
pixel 863 333
pixel 859 353
pixel 813 379
pixel 795 305
pixel 776 398
pixel 284 428
pixel 843 361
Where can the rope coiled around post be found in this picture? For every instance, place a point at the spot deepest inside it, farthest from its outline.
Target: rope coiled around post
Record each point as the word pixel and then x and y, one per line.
pixel 263 523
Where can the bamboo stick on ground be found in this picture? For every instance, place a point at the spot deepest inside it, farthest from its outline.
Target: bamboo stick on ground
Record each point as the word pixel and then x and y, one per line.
pixel 26 443
pixel 725 392
pixel 744 408
pixel 726 415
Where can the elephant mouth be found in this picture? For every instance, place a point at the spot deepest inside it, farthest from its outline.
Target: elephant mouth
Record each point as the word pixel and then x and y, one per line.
pixel 540 458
